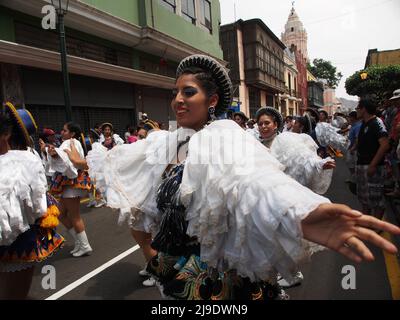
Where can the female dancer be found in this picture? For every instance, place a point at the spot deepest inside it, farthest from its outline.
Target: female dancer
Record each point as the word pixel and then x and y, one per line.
pixel 296 151
pixel 142 238
pixel 27 215
pixel 224 223
pixel 110 139
pixel 71 184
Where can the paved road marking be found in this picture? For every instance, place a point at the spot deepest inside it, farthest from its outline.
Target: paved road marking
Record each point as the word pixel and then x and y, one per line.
pixel 90 275
pixel 393 270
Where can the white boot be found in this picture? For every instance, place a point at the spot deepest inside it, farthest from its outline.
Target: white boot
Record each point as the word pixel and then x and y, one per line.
pixel 92 200
pixel 84 249
pixel 150 282
pixel 72 232
pixel 100 203
pixel 297 280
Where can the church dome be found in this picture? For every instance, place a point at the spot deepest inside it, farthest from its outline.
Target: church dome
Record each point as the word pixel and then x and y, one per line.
pixel 294 24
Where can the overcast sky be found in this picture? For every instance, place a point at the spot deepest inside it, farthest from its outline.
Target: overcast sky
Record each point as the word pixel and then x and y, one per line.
pixel 340 31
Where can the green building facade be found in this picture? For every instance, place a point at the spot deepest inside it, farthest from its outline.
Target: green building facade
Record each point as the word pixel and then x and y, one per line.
pixel 122 57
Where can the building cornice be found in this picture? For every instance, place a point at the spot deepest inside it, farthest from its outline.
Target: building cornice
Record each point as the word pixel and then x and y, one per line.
pixel 14 53
pixel 90 20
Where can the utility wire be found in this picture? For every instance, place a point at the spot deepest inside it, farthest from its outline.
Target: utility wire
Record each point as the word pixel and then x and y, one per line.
pixel 347 13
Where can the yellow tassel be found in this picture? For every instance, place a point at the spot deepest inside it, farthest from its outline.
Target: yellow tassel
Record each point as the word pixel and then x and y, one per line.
pixel 49 222
pixel 53 211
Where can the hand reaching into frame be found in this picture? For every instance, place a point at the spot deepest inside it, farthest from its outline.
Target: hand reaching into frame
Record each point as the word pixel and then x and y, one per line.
pixel 344 230
pixel 329 165
pixel 75 157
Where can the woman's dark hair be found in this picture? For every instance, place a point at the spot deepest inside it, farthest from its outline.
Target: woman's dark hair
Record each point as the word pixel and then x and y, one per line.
pixel 9 125
pixel 267 113
pixel 353 114
pixel 76 129
pixel 289 118
pixel 132 130
pixel 369 103
pixel 305 124
pixel 206 80
pixel 6 124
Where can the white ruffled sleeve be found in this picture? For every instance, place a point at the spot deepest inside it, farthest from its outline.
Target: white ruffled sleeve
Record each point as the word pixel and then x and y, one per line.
pixel 46 163
pixel 128 177
pixel 23 189
pixel 62 163
pixel 245 212
pixel 327 136
pixel 298 153
pixel 118 140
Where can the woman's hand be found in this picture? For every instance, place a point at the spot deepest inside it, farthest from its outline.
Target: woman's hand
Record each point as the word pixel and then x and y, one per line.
pixel 344 230
pixel 73 154
pixel 75 157
pixel 329 165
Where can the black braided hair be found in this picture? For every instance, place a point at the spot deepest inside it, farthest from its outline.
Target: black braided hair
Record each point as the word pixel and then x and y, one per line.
pixel 73 127
pixel 212 76
pixel 272 112
pixel 9 125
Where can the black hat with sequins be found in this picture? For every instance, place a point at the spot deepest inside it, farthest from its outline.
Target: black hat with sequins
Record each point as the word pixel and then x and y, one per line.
pixel 218 72
pixel 272 112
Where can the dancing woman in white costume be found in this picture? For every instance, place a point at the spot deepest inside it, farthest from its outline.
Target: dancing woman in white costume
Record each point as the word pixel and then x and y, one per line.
pixel 28 215
pixel 224 222
pixel 70 184
pixel 297 151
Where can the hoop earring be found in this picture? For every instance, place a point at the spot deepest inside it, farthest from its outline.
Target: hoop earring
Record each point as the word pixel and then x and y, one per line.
pixel 211 113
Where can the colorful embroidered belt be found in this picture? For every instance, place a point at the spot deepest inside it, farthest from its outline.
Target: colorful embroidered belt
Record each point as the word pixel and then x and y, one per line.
pixel 60 182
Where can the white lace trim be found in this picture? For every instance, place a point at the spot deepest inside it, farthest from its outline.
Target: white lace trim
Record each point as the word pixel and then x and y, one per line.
pixel 23 189
pixel 298 153
pixel 327 136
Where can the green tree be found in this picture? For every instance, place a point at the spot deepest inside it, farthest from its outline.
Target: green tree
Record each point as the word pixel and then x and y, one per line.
pixel 323 69
pixel 378 80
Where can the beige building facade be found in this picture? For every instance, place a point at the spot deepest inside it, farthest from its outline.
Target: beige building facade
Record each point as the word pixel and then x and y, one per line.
pixel 289 100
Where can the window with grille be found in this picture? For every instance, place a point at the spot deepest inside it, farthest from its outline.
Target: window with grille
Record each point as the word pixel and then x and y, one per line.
pixel 205 7
pixel 188 11
pixel 168 4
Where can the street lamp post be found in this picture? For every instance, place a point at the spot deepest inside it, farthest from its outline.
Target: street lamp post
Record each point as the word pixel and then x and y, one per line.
pixel 61 7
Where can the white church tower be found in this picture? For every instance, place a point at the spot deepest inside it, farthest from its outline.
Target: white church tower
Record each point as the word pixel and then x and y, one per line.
pixel 295 34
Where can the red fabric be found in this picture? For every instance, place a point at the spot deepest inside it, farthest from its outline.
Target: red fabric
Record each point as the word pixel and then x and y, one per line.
pixel 132 139
pixel 48 132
